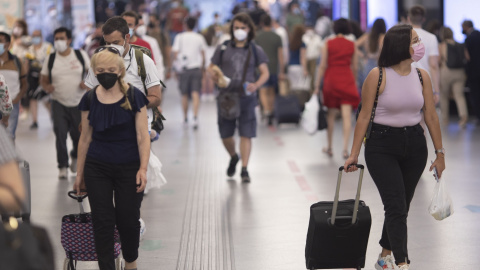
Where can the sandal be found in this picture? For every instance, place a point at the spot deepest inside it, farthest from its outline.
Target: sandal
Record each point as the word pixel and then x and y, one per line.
pixel 328 152
pixel 346 155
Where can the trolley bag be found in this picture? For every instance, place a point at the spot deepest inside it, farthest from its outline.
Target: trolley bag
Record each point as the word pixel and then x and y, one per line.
pixel 78 240
pixel 287 109
pixel 338 231
pixel 24 167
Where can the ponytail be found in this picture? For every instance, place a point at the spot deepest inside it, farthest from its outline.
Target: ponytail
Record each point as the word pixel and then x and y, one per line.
pixel 124 88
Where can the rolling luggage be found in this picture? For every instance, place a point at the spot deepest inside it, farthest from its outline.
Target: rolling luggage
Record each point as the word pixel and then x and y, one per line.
pixel 78 240
pixel 26 211
pixel 338 231
pixel 287 109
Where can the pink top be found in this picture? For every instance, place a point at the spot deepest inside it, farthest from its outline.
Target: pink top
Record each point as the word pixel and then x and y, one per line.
pixel 402 100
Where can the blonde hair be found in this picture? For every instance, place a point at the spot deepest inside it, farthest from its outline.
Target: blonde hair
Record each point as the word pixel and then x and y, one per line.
pixel 106 56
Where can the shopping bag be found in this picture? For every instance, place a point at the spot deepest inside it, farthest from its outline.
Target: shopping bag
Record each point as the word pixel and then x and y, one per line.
pixel 441 206
pixel 322 117
pixel 298 81
pixel 310 115
pixel 155 178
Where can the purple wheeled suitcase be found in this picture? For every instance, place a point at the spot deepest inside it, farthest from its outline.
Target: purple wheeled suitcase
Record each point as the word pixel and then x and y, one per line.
pixel 338 231
pixel 78 240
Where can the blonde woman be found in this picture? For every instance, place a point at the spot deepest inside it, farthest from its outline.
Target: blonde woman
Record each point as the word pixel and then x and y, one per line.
pixel 113 155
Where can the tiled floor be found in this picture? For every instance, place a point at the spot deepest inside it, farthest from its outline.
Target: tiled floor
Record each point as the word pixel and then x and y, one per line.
pixel 202 220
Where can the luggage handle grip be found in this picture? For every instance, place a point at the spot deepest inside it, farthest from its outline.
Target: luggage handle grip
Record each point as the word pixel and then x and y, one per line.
pixel 357 197
pixel 73 194
pixel 360 166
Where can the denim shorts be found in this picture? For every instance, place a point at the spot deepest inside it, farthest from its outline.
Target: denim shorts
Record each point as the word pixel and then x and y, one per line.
pixel 247 121
pixel 272 81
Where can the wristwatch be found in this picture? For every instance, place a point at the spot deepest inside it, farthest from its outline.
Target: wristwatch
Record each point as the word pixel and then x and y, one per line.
pixel 440 151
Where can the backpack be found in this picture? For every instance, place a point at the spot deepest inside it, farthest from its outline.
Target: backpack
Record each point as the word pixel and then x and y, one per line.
pixel 157 123
pixel 18 65
pixel 455 55
pixel 51 60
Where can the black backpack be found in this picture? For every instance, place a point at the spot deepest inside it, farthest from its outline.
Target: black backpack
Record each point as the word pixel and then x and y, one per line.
pixel 456 55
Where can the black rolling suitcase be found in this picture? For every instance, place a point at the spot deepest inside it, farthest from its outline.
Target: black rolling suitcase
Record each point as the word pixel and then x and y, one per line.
pixel 287 109
pixel 338 233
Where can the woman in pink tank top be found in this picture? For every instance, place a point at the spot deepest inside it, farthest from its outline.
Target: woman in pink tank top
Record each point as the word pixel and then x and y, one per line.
pixel 396 150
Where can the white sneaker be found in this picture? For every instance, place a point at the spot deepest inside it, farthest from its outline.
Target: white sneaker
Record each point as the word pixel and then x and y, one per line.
pixel 63 173
pixel 404 267
pixel 143 228
pixel 384 263
pixel 73 165
pixel 195 123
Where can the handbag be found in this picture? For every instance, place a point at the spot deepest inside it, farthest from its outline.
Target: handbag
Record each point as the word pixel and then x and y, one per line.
pixel 298 81
pixel 372 115
pixel 229 99
pixel 322 116
pixel 23 246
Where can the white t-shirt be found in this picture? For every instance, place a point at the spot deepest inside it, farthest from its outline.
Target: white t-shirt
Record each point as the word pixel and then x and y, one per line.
pixel 284 36
pixel 157 55
pixel 132 76
pixel 314 45
pixel 189 46
pixel 42 53
pixel 66 77
pixel 431 48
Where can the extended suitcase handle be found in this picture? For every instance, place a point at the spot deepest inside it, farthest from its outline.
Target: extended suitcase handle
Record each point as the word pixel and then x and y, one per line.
pixel 73 194
pixel 357 197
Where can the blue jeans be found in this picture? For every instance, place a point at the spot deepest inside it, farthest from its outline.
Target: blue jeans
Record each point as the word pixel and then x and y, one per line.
pixel 13 120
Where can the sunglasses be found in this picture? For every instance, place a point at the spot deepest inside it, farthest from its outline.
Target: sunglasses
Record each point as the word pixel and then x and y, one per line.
pixel 108 48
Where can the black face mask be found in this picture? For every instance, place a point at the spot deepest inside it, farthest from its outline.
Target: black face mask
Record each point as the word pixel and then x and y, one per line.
pixel 107 80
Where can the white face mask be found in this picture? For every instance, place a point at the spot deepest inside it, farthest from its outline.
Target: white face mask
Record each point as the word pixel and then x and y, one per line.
pixel 120 48
pixel 240 34
pixel 141 30
pixel 60 45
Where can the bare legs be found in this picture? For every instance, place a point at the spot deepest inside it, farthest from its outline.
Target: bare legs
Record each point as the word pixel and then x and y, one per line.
pixel 346 112
pixel 245 148
pixel 195 103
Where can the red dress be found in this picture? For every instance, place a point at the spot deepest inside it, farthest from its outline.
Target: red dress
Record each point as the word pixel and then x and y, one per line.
pixel 339 83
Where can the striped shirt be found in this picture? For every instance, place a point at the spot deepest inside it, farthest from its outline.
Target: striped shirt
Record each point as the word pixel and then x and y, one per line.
pixel 7 150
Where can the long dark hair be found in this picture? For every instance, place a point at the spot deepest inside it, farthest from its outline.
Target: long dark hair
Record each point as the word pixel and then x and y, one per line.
pixel 378 28
pixel 396 45
pixel 247 20
pixel 296 39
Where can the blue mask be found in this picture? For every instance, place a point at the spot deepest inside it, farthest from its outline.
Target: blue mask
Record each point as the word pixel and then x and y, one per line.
pixel 2 48
pixel 130 31
pixel 36 40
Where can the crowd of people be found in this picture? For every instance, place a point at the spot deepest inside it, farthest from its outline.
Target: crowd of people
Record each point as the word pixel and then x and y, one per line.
pixel 110 90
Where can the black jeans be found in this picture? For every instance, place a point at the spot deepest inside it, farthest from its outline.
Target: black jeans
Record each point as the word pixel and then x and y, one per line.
pixel 105 183
pixel 396 159
pixel 65 120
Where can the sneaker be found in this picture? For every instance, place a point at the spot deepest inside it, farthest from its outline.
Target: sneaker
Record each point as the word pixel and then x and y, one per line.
pixel 195 123
pixel 73 165
pixel 63 173
pixel 34 125
pixel 233 164
pixel 384 263
pixel 270 120
pixel 245 176
pixel 143 228
pixel 404 267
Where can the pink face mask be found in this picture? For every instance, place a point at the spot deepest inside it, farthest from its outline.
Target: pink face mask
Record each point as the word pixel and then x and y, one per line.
pixel 418 51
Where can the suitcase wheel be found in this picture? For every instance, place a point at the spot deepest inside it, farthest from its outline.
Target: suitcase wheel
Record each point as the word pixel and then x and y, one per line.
pixel 66 264
pixel 119 263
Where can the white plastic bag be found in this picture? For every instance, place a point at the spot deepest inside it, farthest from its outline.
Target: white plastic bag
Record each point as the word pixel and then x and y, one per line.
pixel 310 115
pixel 298 81
pixel 155 178
pixel 441 206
